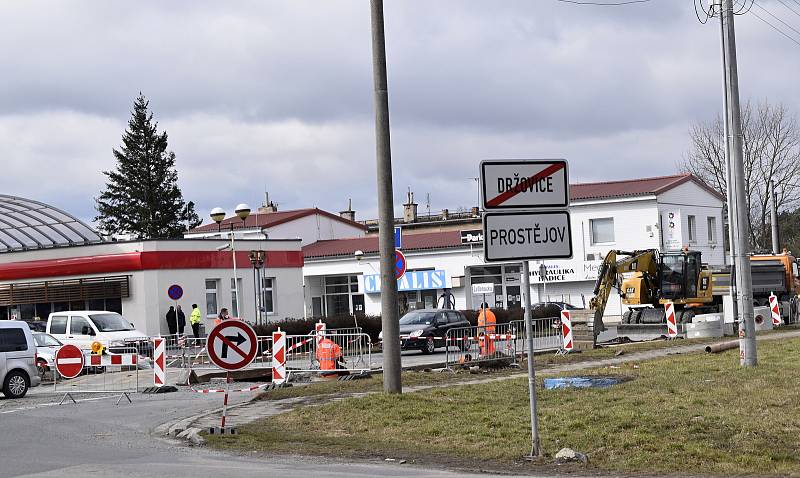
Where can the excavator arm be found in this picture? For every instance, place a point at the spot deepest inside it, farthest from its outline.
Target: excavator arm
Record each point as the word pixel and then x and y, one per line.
pixel 608 278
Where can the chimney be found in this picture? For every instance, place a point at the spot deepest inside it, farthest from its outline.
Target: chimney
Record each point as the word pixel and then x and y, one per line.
pixel 349 214
pixel 410 209
pixel 445 214
pixel 268 206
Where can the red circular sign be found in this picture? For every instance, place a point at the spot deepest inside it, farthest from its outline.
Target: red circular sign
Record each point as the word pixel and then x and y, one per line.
pixel 232 345
pixel 69 361
pixel 399 264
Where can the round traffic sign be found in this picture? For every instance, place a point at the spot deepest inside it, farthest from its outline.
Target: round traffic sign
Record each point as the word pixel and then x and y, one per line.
pixel 69 361
pixel 175 292
pixel 232 345
pixel 399 264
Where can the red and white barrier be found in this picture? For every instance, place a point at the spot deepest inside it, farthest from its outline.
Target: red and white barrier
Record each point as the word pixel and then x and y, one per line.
pixel 672 324
pixel 222 390
pixel 775 310
pixel 319 332
pixel 279 356
pixel 112 359
pixel 159 365
pixel 566 331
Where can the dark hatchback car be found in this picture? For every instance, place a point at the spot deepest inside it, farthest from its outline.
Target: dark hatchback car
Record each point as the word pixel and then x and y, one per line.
pixel 425 329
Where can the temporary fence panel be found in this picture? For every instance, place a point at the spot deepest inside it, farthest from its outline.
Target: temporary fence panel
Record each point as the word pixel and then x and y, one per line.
pixel 547 334
pixel 108 373
pixel 480 344
pixel 352 351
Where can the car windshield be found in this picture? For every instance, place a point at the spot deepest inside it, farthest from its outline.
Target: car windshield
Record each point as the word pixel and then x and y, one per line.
pixel 46 340
pixel 418 318
pixel 110 322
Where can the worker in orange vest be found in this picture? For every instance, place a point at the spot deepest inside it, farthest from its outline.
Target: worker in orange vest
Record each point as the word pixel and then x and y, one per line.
pixel 329 355
pixel 223 315
pixel 486 324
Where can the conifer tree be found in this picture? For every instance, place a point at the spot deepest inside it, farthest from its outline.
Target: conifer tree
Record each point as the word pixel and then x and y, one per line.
pixel 142 196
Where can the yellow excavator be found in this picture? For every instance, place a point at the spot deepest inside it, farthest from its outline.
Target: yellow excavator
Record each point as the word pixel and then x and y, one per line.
pixel 646 280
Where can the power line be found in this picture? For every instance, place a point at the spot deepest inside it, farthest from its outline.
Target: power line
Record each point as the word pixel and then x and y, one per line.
pixel 790 8
pixel 607 4
pixel 776 28
pixel 777 18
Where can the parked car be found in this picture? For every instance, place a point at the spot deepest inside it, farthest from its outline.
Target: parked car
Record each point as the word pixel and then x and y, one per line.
pixel 425 329
pixel 82 327
pixel 46 348
pixel 17 359
pixel 37 325
pixel 551 311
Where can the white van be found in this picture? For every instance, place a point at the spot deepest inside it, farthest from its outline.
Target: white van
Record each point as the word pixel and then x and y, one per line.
pixel 82 327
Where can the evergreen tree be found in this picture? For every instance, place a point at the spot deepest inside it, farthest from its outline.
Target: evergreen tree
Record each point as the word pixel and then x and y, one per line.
pixel 142 195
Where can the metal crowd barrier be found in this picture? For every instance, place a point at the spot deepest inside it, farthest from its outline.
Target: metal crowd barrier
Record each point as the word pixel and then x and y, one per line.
pixel 110 373
pixel 476 344
pixel 302 351
pixel 546 334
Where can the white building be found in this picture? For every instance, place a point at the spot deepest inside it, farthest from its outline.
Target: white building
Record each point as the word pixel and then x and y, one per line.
pixel 664 213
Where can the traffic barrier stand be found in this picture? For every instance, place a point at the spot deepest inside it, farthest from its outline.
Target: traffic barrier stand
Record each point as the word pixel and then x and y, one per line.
pixel 547 335
pixel 566 333
pixel 352 351
pixel 86 373
pixel 278 356
pixel 775 311
pixel 672 326
pixel 159 363
pixel 494 342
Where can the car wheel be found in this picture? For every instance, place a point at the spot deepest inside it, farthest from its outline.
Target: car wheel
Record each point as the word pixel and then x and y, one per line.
pixel 41 368
pixel 429 347
pixel 16 385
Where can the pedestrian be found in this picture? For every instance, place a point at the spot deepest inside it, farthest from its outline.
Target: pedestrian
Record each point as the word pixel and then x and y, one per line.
pixel 223 315
pixel 331 361
pixel 172 320
pixel 181 320
pixel 486 327
pixel 194 319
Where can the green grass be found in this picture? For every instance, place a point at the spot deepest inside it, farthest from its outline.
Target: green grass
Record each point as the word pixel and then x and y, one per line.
pixel 696 414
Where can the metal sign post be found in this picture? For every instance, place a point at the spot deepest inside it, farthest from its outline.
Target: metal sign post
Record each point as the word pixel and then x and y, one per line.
pixel 538 191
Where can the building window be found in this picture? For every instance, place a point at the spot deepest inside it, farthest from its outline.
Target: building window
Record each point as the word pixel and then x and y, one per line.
pixel 268 299
pixel 712 229
pixel 602 230
pixel 692 228
pixel 211 297
pixel 338 290
pixel 234 302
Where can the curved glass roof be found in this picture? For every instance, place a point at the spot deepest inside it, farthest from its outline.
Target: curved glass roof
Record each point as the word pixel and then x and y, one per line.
pixel 29 224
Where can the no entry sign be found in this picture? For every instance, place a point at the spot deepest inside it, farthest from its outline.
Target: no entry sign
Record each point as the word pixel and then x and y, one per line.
pixel 524 184
pixel 69 361
pixel 232 345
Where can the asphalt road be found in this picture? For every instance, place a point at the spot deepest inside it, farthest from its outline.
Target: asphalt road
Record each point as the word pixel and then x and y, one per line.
pixel 96 437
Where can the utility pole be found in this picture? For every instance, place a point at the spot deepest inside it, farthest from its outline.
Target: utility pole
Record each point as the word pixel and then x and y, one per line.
pixel 536 447
pixel 773 217
pixel 390 321
pixel 728 179
pixel 747 337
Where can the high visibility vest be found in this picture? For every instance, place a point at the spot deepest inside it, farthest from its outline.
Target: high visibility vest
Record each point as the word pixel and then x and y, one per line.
pixel 195 317
pixel 488 320
pixel 327 354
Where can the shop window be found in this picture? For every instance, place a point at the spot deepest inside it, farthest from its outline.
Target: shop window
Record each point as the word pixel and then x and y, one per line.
pixel 96 304
pixel 43 310
pixel 268 297
pixel 114 305
pixel 27 311
pixel 211 297
pixel 602 230
pixel 316 306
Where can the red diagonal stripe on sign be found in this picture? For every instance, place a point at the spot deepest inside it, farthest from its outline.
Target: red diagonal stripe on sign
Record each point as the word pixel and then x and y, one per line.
pixel 564 329
pixel 232 346
pixel 501 198
pixel 280 355
pixel 160 362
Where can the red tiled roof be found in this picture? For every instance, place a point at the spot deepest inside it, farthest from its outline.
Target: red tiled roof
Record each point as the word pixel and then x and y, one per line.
pixel 262 220
pixel 634 187
pixel 369 245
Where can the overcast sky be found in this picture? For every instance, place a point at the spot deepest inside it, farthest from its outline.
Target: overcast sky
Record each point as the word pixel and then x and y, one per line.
pixel 277 95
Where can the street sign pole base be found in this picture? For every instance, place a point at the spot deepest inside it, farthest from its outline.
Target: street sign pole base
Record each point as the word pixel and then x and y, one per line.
pixel 65 397
pixel 222 431
pixel 124 395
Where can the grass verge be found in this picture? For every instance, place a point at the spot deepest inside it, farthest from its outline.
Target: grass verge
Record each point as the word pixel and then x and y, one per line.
pixel 695 414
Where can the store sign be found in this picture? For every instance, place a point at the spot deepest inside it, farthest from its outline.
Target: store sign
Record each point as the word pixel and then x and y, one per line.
pixel 411 280
pixel 673 239
pixel 474 236
pixel 567 271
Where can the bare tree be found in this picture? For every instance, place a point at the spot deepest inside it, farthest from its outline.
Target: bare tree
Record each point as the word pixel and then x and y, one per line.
pixel 771 147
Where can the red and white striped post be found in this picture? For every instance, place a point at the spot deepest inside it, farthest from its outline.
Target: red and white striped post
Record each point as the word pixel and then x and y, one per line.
pixel 566 331
pixel 319 332
pixel 279 357
pixel 225 400
pixel 159 362
pixel 775 310
pixel 672 324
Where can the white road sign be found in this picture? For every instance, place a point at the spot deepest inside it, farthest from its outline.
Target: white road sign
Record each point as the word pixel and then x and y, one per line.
pixel 527 235
pixel 485 288
pixel 524 184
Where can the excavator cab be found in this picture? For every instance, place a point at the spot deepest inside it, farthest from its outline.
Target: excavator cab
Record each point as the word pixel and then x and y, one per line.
pixel 682 278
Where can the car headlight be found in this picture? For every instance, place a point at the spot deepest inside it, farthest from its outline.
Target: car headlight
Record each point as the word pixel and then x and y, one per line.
pixel 116 343
pixel 416 333
pixel 380 335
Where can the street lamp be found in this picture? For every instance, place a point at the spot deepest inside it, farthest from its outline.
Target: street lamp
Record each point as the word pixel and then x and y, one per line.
pixel 257 259
pixel 218 215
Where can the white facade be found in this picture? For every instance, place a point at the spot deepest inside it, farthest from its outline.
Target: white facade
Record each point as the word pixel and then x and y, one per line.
pixel 149 268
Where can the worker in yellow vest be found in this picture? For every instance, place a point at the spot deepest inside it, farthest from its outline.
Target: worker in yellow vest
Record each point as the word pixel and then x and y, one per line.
pixel 194 320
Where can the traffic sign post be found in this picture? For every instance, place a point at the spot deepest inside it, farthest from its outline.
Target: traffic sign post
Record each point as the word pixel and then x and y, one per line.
pixel 400 264
pixel 538 191
pixel 231 345
pixel 175 292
